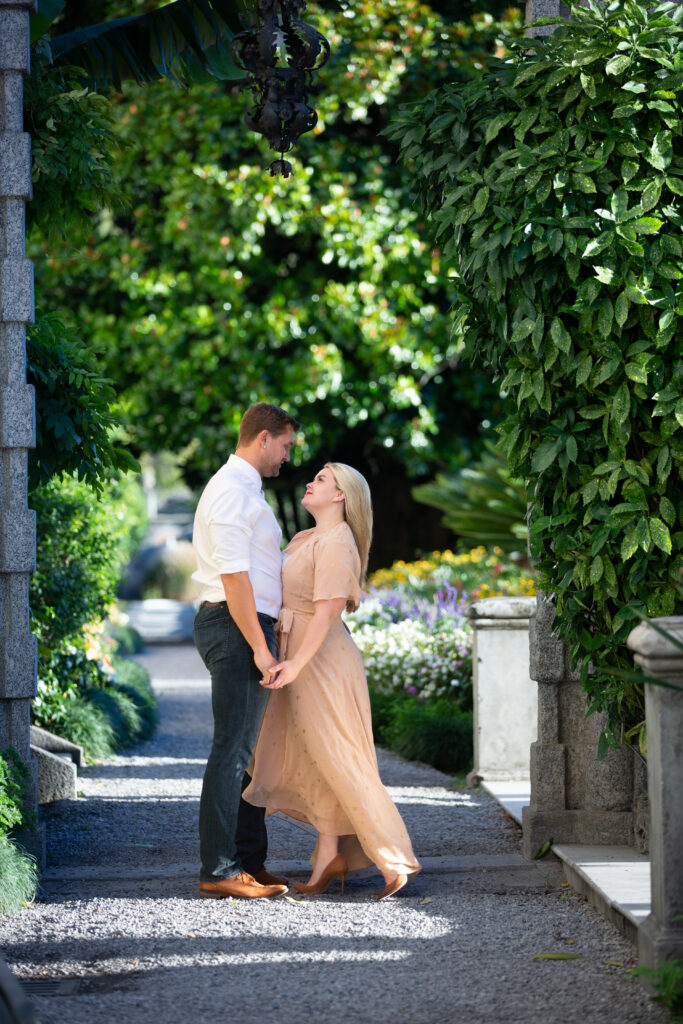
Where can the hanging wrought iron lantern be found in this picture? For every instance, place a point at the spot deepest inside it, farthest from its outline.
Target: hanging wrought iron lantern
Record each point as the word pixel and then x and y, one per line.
pixel 279 55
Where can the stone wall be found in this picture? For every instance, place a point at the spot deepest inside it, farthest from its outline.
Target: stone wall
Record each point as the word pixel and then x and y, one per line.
pixel 17 428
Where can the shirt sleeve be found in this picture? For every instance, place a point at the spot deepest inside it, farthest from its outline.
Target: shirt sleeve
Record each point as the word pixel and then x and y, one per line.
pixel 336 565
pixel 230 531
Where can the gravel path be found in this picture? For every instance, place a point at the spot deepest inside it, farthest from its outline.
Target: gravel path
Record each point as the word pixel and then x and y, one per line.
pixel 119 935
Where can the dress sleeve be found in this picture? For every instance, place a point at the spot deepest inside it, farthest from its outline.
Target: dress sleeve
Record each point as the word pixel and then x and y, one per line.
pixel 336 565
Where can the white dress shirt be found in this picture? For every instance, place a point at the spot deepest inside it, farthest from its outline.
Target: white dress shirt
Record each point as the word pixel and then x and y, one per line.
pixel 235 531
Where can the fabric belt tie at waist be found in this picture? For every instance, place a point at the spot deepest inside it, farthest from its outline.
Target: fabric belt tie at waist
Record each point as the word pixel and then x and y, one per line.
pixel 284 626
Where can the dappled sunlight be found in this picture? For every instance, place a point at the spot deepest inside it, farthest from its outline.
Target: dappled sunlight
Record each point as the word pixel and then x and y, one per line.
pixel 432 797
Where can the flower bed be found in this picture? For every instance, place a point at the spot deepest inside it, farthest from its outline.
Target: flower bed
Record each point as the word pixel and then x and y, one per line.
pixel 411 627
pixel 415 644
pixel 473 574
pixel 417 648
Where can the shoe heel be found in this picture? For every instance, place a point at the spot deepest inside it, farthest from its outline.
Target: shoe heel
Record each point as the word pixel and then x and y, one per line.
pixel 342 878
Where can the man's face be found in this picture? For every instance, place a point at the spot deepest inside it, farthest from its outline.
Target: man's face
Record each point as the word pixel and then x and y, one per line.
pixel 276 452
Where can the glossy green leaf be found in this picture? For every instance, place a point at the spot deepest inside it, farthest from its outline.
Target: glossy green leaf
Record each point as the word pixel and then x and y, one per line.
pixel 643 534
pixel 661 151
pixel 560 335
pixel 621 307
pixel 616 65
pixel 647 225
pixel 545 455
pixel 629 545
pixel 605 317
pixel 667 511
pixel 572 449
pixel 596 570
pixel 621 406
pixel 660 535
pixel 636 372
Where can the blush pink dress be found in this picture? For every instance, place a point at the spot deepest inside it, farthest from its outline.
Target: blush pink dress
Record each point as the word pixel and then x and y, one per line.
pixel 315 757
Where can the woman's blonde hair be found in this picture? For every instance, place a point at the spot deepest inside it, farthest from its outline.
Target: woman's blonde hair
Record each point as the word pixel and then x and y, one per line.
pixel 357 509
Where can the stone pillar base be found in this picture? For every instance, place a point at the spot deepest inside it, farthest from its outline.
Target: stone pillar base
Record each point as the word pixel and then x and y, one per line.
pixel 585 827
pixel 656 943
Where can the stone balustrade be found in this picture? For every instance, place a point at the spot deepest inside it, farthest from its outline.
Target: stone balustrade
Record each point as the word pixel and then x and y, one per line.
pixel 660 937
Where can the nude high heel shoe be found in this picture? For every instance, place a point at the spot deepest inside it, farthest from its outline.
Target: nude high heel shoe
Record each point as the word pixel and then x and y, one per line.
pixel 393 886
pixel 337 866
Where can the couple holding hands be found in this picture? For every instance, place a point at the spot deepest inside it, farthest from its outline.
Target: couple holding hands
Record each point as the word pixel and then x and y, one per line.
pixel 292 725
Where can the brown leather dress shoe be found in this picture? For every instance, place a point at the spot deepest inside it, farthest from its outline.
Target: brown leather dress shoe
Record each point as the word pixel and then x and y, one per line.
pixel 265 878
pixel 240 887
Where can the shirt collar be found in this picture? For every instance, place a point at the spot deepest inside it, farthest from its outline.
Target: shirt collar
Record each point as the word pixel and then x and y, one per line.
pixel 251 476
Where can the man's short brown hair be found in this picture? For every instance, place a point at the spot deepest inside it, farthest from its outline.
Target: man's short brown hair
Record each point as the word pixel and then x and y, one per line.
pixel 264 416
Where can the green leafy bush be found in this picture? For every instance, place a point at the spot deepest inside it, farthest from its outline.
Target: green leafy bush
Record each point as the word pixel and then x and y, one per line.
pixel 483 503
pixel 127 639
pixel 13 782
pixel 667 980
pixel 81 546
pixel 133 680
pixel 73 142
pixel 556 187
pixel 18 876
pixel 383 708
pixel 85 694
pixel 83 722
pixel 18 873
pixel 74 408
pixel 436 733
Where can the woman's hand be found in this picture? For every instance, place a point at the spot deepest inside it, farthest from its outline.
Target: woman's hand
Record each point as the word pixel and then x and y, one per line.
pixel 280 675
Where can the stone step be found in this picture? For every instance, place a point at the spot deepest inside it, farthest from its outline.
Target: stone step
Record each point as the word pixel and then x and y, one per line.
pixel 614 879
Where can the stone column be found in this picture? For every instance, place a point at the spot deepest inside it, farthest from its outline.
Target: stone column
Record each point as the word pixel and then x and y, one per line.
pixel 17 426
pixel 505 698
pixel 575 798
pixel 660 937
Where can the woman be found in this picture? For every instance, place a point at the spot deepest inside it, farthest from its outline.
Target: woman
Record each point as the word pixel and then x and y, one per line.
pixel 315 758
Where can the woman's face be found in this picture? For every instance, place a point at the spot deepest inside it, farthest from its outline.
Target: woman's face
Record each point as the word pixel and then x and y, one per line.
pixel 321 492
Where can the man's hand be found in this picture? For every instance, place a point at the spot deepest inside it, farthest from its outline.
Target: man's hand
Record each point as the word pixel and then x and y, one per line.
pixel 265 662
pixel 280 675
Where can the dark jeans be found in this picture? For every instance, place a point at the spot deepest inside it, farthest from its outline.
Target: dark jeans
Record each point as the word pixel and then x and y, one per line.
pixel 232 833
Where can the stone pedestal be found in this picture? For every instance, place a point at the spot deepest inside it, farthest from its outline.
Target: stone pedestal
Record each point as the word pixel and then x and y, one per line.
pixel 17 522
pixel 505 702
pixel 660 937
pixel 575 798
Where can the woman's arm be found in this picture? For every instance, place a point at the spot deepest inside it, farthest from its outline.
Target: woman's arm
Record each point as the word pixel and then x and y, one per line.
pixel 324 615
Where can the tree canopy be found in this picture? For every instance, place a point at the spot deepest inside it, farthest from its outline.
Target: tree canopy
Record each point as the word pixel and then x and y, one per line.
pixel 215 285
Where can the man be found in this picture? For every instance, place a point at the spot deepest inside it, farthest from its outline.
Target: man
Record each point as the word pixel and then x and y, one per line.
pixel 237 544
